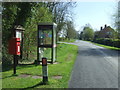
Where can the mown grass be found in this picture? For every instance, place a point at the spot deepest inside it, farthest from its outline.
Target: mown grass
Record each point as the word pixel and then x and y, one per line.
pixel 66 56
pixel 69 40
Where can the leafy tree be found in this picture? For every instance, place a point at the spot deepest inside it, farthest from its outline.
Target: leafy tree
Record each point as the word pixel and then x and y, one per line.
pixel 26 14
pixel 117 22
pixel 39 14
pixel 117 19
pixel 81 35
pixel 70 30
pixel 88 33
pixel 61 13
pixel 29 14
pixel 13 13
pixel 8 17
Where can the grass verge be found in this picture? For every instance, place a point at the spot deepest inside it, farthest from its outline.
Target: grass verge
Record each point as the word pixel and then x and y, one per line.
pixel 65 57
pixel 69 40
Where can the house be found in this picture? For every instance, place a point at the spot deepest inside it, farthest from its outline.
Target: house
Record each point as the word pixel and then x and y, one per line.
pixel 106 32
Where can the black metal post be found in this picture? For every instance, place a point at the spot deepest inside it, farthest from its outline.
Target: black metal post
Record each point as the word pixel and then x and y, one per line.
pixel 14 64
pixel 45 70
pixel 38 42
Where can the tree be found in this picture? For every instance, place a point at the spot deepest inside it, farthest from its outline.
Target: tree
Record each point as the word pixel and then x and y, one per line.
pixel 88 33
pixel 70 30
pixel 27 14
pixel 13 13
pixel 117 19
pixel 81 35
pixel 118 22
pixel 61 13
pixel 9 14
pixel 39 14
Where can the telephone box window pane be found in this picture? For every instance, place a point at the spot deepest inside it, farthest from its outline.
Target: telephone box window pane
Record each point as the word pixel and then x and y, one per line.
pixel 47 53
pixel 45 37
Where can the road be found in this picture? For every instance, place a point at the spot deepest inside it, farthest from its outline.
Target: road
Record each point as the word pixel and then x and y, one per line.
pixel 95 67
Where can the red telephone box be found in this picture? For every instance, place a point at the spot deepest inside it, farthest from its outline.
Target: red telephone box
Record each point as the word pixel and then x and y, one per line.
pixel 14 46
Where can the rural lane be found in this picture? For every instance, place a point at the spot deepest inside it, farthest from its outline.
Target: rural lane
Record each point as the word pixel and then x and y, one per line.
pixel 95 67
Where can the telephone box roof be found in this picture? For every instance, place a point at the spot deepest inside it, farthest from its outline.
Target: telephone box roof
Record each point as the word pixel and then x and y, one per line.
pixel 48 23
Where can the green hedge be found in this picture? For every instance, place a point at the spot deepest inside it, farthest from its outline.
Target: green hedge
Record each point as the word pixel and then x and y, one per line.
pixel 108 41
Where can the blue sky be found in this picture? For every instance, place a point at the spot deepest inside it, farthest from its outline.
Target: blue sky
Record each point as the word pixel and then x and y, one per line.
pixel 97 14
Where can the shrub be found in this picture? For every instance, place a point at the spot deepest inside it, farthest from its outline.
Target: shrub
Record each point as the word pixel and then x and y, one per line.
pixel 108 41
pixel 6 58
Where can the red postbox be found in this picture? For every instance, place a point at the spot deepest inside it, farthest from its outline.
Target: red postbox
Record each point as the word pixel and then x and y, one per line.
pixel 14 46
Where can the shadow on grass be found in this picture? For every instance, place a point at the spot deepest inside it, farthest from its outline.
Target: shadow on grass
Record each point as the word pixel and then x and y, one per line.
pixel 19 66
pixel 6 67
pixel 39 84
pixel 13 75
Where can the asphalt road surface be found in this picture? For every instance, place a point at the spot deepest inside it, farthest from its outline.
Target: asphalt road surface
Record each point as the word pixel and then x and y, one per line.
pixel 95 67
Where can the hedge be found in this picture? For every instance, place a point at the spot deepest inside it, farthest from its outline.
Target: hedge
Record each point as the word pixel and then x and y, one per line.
pixel 108 41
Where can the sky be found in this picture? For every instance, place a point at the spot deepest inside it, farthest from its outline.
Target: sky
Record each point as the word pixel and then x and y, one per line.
pixel 97 14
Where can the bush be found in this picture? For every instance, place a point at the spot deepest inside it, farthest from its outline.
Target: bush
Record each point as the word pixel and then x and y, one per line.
pixel 108 41
pixel 61 39
pixel 6 62
pixel 6 59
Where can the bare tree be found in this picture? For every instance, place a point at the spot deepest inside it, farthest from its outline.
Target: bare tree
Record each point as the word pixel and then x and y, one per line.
pixel 61 13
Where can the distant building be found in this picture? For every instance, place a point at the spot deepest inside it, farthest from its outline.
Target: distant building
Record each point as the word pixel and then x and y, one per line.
pixel 106 32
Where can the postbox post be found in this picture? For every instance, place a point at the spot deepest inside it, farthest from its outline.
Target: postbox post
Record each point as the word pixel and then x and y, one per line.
pixel 45 70
pixel 16 44
pixel 14 64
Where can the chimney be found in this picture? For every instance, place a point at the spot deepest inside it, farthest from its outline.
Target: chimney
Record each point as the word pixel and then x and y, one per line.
pixel 100 28
pixel 105 25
